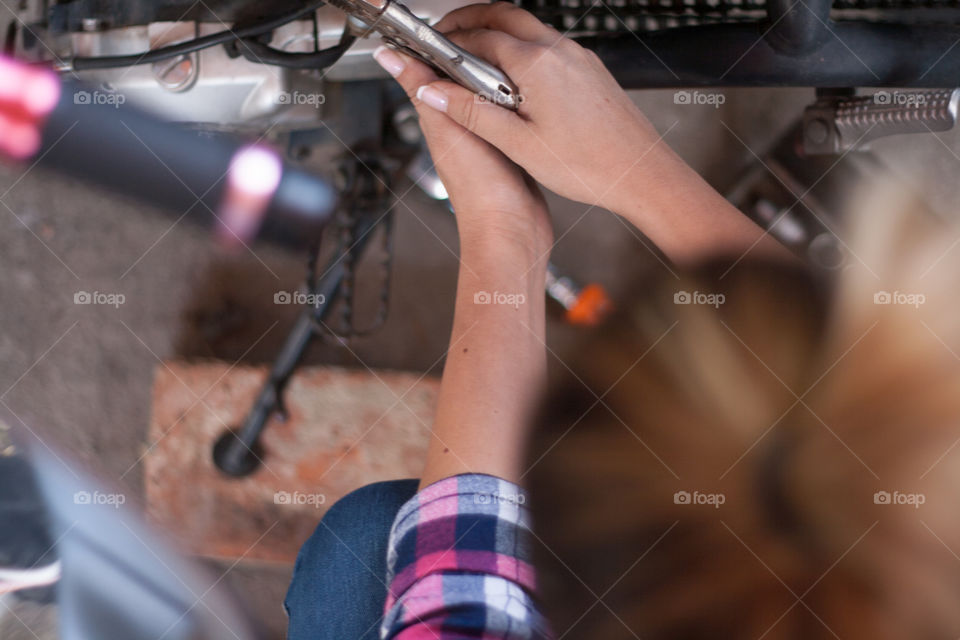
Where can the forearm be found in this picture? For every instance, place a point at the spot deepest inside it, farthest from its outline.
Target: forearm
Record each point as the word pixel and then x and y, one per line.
pixel 496 365
pixel 683 215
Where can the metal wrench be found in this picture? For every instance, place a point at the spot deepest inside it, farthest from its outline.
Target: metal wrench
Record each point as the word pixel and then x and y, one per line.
pixel 403 30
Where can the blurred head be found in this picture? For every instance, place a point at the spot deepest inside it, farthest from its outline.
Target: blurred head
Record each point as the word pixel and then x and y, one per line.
pixel 749 452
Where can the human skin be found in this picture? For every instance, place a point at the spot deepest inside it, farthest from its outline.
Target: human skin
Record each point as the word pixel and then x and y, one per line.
pixel 579 134
pixel 495 368
pixel 496 363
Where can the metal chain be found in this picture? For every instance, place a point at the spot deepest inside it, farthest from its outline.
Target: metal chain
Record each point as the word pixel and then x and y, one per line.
pixel 349 247
pixel 614 17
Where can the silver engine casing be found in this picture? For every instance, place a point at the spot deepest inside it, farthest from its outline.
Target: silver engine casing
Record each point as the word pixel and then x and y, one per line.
pixel 209 87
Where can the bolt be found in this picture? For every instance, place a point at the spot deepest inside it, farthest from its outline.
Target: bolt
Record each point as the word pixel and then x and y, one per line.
pixel 175 74
pixel 817 131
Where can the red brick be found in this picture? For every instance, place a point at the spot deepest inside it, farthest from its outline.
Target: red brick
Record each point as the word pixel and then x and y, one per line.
pixel 346 428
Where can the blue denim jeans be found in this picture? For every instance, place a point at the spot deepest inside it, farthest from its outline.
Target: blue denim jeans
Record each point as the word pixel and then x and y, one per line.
pixel 338 587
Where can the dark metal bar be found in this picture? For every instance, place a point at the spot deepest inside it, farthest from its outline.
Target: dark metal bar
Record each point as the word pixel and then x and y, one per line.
pixel 854 54
pixel 797 26
pixel 238 453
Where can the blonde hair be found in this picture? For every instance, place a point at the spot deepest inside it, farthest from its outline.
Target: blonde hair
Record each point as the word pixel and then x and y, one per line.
pixel 773 457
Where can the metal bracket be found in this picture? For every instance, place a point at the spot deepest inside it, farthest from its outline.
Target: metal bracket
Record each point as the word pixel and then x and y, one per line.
pixel 835 124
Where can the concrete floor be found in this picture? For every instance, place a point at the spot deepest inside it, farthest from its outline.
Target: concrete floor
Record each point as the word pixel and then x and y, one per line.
pixel 80 376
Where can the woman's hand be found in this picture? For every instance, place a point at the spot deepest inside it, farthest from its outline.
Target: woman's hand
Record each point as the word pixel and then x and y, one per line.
pixel 490 194
pixel 579 134
pixel 496 365
pixel 576 131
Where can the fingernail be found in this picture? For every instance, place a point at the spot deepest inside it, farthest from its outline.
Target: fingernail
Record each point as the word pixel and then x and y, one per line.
pixel 389 60
pixel 432 97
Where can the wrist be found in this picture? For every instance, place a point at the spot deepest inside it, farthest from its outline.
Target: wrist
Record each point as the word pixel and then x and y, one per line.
pixel 682 214
pixel 526 238
pixel 643 161
pixel 655 174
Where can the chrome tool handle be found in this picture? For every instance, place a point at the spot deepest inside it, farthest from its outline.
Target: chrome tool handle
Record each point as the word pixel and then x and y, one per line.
pixel 403 30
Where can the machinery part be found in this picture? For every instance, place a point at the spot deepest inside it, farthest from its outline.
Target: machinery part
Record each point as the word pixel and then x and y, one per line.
pixel 584 18
pixel 834 124
pixel 823 250
pixel 225 90
pixel 797 27
pixel 799 199
pixel 227 87
pixel 71 15
pixel 668 43
pixel 856 54
pixel 237 452
pixel 250 186
pixel 256 51
pixel 826 252
pixel 179 49
pixel 176 74
pixel 365 195
pixel 698 43
pixel 782 223
pixel 401 29
pixel 580 17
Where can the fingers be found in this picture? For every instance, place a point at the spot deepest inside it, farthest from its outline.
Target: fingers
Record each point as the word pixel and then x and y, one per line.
pixel 500 16
pixel 493 123
pixel 432 97
pixel 411 74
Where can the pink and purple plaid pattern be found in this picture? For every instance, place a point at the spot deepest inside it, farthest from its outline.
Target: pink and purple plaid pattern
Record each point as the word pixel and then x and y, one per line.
pixel 459 564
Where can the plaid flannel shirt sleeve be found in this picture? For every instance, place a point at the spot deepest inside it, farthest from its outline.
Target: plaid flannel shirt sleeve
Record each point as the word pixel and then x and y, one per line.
pixel 459 564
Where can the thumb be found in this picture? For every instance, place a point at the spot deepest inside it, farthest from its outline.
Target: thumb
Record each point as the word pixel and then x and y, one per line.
pixel 495 124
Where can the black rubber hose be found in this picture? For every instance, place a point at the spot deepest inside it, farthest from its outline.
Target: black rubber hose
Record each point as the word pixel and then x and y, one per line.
pixel 256 51
pixel 221 37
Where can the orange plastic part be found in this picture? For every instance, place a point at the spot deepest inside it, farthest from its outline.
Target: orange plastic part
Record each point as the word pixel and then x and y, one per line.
pixel 593 305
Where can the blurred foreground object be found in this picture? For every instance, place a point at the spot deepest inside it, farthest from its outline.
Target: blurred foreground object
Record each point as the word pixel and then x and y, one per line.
pixel 119 580
pixel 241 189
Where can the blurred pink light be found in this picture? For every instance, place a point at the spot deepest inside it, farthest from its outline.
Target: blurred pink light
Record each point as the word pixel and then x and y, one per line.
pixel 18 140
pixel 256 171
pixel 254 176
pixel 12 77
pixel 42 91
pixel 22 141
